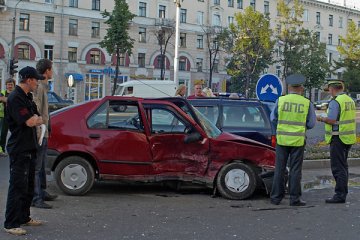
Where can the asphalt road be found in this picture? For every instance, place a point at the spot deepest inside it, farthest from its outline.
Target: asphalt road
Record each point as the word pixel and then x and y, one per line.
pixel 114 211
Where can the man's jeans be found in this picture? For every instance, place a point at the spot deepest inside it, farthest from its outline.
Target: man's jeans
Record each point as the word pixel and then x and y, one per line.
pixel 40 175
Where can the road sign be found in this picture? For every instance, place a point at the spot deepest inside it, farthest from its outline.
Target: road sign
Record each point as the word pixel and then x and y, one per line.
pixel 269 88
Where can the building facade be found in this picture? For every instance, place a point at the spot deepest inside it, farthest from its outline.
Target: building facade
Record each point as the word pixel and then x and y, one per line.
pixel 69 31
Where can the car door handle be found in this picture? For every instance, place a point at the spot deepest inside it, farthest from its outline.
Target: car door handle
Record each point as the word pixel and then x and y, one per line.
pixel 94 135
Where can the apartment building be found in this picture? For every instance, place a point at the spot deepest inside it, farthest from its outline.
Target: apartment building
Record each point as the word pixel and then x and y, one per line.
pixel 68 33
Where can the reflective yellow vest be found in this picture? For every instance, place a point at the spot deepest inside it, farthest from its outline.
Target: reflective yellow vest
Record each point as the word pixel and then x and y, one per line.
pixel 346 122
pixel 292 113
pixel 2 109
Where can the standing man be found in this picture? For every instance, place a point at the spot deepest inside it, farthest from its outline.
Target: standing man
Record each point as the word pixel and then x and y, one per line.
pixel 10 85
pixel 44 67
pixel 340 133
pixel 293 114
pixel 22 117
pixel 198 93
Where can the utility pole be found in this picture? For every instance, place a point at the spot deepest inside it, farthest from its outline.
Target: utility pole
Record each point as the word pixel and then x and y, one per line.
pixel 176 58
pixel 13 33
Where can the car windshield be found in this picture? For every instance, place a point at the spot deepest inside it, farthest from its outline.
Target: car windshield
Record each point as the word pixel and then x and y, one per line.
pixel 211 130
pixel 118 90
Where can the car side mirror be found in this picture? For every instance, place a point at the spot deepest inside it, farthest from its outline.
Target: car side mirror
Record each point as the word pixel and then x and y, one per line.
pixel 192 137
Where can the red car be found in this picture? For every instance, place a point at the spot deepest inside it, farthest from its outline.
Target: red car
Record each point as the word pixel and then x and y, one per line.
pixel 152 140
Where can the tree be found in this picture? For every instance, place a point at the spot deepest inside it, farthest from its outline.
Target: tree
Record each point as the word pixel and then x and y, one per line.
pixel 163 34
pixel 350 57
pixel 314 64
pixel 117 40
pixel 215 37
pixel 251 49
pixel 288 38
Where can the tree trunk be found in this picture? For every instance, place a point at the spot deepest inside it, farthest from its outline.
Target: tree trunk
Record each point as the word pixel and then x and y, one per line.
pixel 116 71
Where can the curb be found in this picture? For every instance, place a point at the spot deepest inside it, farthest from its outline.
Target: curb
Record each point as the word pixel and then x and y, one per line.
pixel 325 163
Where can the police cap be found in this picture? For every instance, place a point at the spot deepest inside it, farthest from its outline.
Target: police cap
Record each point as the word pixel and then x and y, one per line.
pixel 295 80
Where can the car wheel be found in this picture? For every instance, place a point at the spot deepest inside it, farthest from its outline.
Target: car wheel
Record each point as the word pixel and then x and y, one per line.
pixel 74 176
pixel 120 108
pixel 236 181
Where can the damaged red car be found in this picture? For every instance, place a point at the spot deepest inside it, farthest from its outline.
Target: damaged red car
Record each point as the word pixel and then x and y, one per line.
pixel 152 140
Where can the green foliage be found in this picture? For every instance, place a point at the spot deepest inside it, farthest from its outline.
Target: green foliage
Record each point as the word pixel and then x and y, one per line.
pixel 251 48
pixel 117 37
pixel 117 40
pixel 350 57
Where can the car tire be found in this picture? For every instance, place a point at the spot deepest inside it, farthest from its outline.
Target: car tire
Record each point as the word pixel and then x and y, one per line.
pixel 121 108
pixel 74 176
pixel 236 181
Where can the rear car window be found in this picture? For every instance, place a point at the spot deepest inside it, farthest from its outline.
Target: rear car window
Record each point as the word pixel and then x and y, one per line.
pixel 244 117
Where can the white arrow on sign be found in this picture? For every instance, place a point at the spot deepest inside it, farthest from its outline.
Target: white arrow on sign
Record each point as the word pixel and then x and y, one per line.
pixel 273 89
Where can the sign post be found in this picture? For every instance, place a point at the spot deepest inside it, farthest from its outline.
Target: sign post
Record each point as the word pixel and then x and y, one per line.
pixel 269 88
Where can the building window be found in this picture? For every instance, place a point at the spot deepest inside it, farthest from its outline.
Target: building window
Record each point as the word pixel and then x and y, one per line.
pixel 122 59
pixel 217 2
pixel 72 54
pixel 141 60
pixel 330 58
pixel 94 86
pixel 48 52
pixel 318 36
pixel 182 39
pixel 306 15
pixel 142 9
pixel 200 18
pixel 230 3
pixel 230 20
pixel 73 27
pixel 330 39
pixel 240 4
pixel 278 28
pixel 253 4
pixel 182 64
pixel 95 57
pixel 331 20
pixel 142 34
pixel 216 20
pixel 200 41
pixel 24 22
pixel 96 5
pixel 183 15
pixel 340 22
pixel 49 1
pixel 339 41
pixel 23 51
pixel 73 3
pixel 49 24
pixel 318 18
pixel 162 11
pixel 216 66
pixel 199 64
pixel 266 7
pixel 278 71
pixel 95 29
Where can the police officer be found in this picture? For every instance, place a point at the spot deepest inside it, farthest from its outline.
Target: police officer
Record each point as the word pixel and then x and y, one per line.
pixel 340 132
pixel 293 115
pixel 22 117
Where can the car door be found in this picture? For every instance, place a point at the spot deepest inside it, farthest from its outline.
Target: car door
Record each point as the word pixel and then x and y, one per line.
pixel 117 138
pixel 171 155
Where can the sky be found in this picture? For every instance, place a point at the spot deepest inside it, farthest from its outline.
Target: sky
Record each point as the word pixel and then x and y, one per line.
pixel 349 3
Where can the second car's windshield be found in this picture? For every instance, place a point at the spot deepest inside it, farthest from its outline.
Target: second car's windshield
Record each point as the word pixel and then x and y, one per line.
pixel 211 130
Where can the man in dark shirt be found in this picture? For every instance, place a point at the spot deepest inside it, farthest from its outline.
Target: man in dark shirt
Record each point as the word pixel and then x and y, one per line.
pixel 22 117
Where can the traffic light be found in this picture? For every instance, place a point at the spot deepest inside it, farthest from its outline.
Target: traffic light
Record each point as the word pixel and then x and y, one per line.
pixel 13 67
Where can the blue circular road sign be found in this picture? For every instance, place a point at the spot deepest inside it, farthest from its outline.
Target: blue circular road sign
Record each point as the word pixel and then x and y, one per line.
pixel 269 88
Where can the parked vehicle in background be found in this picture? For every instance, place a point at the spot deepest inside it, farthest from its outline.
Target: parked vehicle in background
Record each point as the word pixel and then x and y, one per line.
pixel 146 88
pixel 56 102
pixel 152 140
pixel 248 118
pixel 322 104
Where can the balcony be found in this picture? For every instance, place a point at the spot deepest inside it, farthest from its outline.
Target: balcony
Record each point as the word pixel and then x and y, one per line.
pixel 164 22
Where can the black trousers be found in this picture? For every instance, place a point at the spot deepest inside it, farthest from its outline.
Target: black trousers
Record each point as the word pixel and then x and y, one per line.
pixel 21 189
pixel 339 166
pixel 295 155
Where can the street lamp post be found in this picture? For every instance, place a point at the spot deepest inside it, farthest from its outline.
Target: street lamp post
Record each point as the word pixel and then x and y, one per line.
pixel 13 33
pixel 176 58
